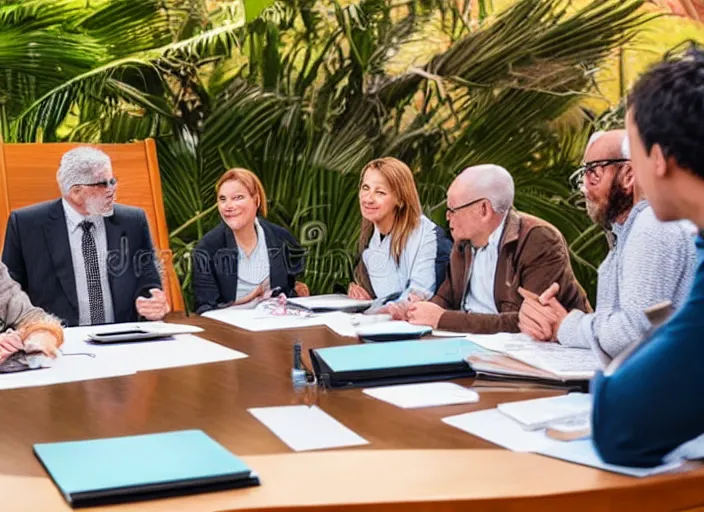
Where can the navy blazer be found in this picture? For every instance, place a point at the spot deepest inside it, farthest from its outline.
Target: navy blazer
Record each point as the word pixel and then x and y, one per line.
pixel 215 261
pixel 38 256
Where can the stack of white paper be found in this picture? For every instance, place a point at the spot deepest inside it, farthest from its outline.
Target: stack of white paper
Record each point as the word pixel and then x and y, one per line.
pixel 306 428
pixel 331 302
pixel 544 412
pixel 410 396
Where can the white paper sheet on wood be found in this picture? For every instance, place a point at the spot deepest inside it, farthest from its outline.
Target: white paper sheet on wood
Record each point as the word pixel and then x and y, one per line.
pixel 179 350
pixel 339 322
pixel 87 361
pixel 306 428
pixel 331 302
pixel 65 369
pixel 431 394
pixel 499 429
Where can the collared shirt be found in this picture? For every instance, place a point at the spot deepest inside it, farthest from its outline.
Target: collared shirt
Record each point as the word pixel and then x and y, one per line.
pixel 254 269
pixel 415 271
pixel 75 237
pixel 651 262
pixel 479 297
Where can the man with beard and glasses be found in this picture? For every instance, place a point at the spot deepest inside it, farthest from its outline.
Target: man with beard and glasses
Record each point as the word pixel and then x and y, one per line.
pixel 650 262
pixel 82 257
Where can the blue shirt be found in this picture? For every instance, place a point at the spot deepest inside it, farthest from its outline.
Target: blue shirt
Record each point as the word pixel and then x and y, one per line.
pixel 652 403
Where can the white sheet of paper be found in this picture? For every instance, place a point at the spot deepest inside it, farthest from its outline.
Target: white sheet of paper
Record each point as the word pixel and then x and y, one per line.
pixel 65 369
pixel 499 429
pixel 583 452
pixel 330 302
pixel 306 428
pixel 179 350
pixel 337 321
pixel 390 327
pixel 410 396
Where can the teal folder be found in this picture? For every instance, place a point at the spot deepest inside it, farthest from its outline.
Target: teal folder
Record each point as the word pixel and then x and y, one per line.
pixel 131 468
pixel 394 362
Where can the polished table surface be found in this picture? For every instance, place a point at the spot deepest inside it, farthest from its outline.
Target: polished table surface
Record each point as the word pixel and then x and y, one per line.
pixel 413 460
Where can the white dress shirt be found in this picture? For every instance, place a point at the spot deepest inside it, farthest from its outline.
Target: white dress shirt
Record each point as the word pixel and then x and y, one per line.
pixel 479 297
pixel 415 271
pixel 75 236
pixel 254 269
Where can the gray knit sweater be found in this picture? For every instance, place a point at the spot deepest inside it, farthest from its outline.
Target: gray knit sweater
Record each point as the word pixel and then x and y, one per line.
pixel 651 262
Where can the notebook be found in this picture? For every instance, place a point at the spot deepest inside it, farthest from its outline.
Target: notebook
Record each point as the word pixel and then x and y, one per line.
pixel 395 362
pixel 529 360
pixel 544 412
pixel 132 468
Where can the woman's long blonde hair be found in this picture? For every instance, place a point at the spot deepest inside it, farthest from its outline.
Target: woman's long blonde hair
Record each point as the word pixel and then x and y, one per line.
pixel 408 211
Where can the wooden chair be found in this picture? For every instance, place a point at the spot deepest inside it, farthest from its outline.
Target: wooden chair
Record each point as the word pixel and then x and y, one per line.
pixel 28 176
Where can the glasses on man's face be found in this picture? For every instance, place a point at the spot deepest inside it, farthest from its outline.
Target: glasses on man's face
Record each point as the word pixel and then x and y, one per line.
pixel 452 211
pixel 112 182
pixel 594 170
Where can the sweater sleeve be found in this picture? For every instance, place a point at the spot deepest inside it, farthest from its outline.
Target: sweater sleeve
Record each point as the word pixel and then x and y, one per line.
pixel 657 264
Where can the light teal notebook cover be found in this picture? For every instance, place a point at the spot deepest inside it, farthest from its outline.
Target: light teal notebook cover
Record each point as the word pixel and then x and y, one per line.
pixel 397 354
pixel 134 461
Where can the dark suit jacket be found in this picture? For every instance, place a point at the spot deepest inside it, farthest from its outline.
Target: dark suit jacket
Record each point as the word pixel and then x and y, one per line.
pixel 215 261
pixel 38 255
pixel 533 254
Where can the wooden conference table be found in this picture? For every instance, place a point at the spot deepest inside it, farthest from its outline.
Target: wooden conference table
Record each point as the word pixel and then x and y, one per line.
pixel 414 462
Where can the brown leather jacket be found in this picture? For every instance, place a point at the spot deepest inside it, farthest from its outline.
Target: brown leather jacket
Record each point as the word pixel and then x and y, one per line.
pixel 533 254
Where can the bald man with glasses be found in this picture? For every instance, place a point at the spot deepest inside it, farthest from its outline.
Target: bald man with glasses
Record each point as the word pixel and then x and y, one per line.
pixel 82 257
pixel 496 251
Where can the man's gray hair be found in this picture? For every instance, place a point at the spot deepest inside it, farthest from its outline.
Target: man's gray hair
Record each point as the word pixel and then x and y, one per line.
pixel 79 165
pixel 492 182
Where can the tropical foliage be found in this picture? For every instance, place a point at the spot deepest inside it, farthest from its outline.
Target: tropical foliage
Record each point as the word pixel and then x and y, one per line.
pixel 305 94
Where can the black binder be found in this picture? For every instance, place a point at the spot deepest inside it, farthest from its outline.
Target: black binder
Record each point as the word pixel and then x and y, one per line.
pixel 397 362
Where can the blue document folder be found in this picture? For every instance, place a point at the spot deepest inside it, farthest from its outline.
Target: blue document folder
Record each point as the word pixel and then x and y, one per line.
pixel 119 469
pixel 394 362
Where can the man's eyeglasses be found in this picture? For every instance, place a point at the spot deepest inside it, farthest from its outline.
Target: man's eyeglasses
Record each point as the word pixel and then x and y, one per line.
pixel 452 211
pixel 594 169
pixel 112 182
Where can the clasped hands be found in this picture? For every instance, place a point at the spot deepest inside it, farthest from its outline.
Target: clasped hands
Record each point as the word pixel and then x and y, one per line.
pixel 541 315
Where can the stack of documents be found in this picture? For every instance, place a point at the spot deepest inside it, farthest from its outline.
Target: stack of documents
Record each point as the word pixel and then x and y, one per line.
pixel 331 302
pixel 546 412
pixel 500 427
pixel 519 357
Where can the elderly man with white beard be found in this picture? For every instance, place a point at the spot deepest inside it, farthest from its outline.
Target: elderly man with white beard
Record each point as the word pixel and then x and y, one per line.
pixel 82 257
pixel 650 262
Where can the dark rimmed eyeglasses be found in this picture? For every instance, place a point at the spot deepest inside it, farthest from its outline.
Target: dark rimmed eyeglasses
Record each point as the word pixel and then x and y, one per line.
pixel 112 182
pixel 452 211
pixel 595 168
